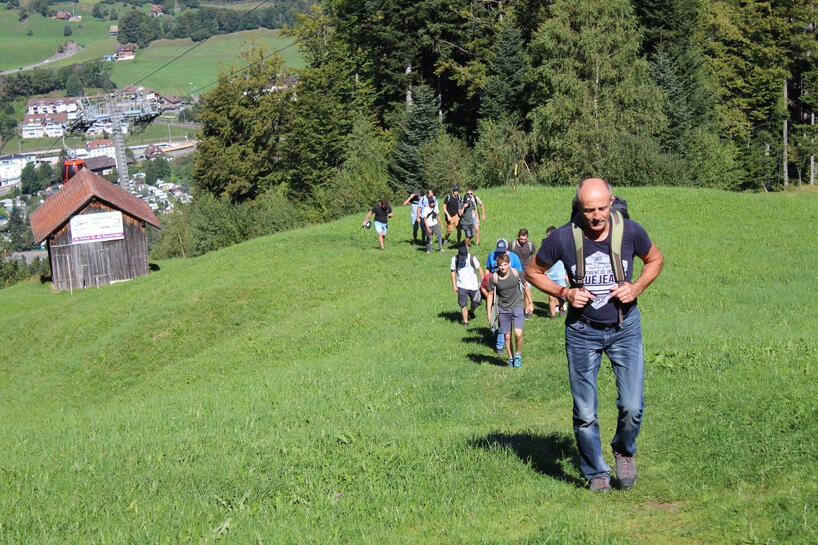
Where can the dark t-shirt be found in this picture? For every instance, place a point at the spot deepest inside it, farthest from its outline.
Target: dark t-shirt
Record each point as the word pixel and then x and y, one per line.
pixel 452 204
pixel 381 214
pixel 524 252
pixel 468 211
pixel 599 276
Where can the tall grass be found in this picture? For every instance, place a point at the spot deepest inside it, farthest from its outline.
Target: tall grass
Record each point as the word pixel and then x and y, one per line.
pixel 309 388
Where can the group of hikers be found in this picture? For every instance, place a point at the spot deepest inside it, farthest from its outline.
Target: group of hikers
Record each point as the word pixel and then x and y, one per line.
pixel 586 268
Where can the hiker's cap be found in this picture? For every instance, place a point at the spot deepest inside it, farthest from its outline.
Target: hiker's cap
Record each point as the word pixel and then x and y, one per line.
pixel 502 245
pixel 456 188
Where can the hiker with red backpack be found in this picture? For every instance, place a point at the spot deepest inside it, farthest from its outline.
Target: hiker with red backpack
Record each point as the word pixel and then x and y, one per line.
pixel 598 248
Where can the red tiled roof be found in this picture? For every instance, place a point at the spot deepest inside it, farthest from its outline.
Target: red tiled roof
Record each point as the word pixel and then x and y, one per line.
pixel 44 119
pixel 94 144
pixel 84 186
pixel 50 100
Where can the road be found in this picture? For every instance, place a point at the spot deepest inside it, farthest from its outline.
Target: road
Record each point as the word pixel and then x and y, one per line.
pixel 69 49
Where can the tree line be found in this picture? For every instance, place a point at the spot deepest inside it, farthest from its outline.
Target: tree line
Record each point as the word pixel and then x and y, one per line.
pixel 399 94
pixel 200 24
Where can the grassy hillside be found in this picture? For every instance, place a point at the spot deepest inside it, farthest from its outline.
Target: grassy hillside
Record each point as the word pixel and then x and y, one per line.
pixel 309 388
pixel 200 66
pixel 18 49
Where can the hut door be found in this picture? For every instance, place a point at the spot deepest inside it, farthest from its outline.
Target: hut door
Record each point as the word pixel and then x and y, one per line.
pixel 102 261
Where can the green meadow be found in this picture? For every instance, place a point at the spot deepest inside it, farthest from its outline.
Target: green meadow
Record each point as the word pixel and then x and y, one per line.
pixel 200 66
pixel 18 49
pixel 308 388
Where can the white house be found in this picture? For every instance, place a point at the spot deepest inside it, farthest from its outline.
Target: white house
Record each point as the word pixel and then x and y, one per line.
pixel 11 166
pixel 67 105
pixel 40 125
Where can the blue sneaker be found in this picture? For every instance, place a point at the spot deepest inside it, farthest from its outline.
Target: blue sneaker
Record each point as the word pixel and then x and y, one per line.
pixel 511 362
pixel 518 360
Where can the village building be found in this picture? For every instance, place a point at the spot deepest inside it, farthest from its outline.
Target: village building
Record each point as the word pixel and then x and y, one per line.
pixel 153 151
pixel 125 52
pixel 113 31
pixel 42 125
pixel 94 232
pixel 103 165
pixel 67 105
pixel 63 15
pixel 156 10
pixel 170 103
pixel 11 167
pixel 137 91
pixel 100 148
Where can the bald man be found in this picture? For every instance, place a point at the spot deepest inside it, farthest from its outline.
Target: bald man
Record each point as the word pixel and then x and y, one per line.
pixel 594 325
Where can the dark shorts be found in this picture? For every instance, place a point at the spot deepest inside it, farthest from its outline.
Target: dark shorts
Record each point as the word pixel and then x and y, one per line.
pixel 464 296
pixel 511 319
pixel 468 230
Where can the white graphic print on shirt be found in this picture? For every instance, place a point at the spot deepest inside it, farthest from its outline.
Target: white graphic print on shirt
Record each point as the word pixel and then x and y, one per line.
pixel 599 277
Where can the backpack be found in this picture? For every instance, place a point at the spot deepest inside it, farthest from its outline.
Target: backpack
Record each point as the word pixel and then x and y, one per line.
pixel 619 212
pixel 495 276
pixel 529 245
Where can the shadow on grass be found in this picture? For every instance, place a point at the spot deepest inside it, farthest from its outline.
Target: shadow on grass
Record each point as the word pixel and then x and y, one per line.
pixel 481 335
pixel 480 359
pixel 153 267
pixel 452 316
pixel 546 454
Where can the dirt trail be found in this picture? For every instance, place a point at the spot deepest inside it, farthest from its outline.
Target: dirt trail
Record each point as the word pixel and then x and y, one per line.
pixel 70 48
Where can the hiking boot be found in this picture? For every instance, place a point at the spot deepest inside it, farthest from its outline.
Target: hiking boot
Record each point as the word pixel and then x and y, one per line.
pixel 501 352
pixel 511 363
pixel 600 484
pixel 625 470
pixel 518 360
pixel 466 324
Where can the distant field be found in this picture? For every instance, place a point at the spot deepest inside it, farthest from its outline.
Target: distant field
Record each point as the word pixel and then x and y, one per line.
pixel 17 49
pixel 200 66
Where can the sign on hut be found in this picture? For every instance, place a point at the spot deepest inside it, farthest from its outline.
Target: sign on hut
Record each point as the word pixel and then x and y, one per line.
pixel 94 231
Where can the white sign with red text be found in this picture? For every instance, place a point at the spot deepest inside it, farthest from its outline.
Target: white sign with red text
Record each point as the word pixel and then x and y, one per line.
pixel 100 227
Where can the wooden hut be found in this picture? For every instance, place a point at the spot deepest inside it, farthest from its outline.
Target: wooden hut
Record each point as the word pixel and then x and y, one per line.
pixel 95 232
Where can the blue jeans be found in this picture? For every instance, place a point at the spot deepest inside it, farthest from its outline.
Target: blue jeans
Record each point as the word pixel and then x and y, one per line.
pixel 584 346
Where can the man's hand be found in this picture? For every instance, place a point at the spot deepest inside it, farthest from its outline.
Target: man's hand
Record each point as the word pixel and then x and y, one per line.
pixel 454 288
pixel 529 308
pixel 579 297
pixel 626 293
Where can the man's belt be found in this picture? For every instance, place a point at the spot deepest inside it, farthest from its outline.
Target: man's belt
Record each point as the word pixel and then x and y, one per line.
pixel 595 324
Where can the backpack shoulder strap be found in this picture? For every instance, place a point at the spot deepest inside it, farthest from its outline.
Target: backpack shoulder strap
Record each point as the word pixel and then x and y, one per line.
pixel 617 232
pixel 531 247
pixel 579 249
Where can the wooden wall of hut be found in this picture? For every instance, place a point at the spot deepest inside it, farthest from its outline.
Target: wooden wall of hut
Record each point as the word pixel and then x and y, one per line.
pixel 94 264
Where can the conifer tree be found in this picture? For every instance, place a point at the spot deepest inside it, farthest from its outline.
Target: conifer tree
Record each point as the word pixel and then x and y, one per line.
pixel 419 127
pixel 596 106
pixel 503 91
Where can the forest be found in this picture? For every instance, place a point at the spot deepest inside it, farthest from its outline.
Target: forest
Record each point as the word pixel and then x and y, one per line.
pixel 398 95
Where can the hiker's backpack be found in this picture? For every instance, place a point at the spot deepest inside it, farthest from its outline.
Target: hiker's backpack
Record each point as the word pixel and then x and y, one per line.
pixel 495 276
pixel 514 245
pixel 619 212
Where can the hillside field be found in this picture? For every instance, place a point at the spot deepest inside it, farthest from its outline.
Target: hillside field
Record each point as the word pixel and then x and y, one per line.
pixel 309 388
pixel 200 66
